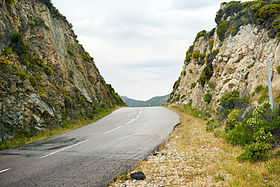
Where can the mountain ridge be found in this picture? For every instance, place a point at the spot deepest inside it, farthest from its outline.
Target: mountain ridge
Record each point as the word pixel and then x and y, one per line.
pixel 154 101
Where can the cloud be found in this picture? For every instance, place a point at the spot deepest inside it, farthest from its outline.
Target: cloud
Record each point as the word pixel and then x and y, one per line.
pixel 139 46
pixel 192 5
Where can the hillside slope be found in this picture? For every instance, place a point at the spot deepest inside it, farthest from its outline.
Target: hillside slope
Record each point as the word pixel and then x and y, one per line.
pixel 232 56
pixel 46 76
pixel 155 101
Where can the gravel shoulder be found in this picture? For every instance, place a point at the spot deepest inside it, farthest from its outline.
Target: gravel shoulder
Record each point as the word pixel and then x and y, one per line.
pixel 194 157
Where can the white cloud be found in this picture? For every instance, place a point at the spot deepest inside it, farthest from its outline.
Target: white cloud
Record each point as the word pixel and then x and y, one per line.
pixel 139 46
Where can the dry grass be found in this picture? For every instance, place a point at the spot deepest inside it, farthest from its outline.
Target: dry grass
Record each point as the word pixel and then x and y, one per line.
pixel 194 157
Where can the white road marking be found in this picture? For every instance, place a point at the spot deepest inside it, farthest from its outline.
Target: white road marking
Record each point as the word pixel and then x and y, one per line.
pixel 4 170
pixel 137 116
pixel 64 149
pixel 112 130
pixel 130 121
pixel 140 112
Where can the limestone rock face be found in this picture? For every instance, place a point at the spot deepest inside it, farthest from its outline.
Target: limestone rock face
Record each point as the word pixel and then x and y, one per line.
pixel 239 65
pixel 46 76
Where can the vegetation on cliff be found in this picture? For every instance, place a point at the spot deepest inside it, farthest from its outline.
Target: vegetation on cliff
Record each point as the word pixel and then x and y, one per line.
pixel 47 78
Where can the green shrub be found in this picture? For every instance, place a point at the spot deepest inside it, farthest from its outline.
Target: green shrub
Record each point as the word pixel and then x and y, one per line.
pixel 259 88
pixel 263 98
pixel 38 60
pixel 251 65
pixel 10 2
pixel 233 120
pixel 278 69
pixel 222 29
pixel 257 151
pixel 18 45
pixel 195 55
pixel 70 52
pixel 240 134
pixel 268 11
pixel 208 97
pixel 48 70
pixel 7 51
pixel 183 73
pixel 68 101
pixel 3 60
pixel 90 116
pixel 230 101
pixel 206 75
pixel 176 84
pixel 85 56
pixel 211 125
pixel 200 34
pixel 211 44
pixel 190 71
pixel 193 85
pixel 37 22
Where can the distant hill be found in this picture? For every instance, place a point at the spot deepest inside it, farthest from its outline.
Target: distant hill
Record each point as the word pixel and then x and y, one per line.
pixel 155 101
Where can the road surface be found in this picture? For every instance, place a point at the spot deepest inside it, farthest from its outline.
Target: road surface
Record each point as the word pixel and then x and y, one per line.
pixel 92 155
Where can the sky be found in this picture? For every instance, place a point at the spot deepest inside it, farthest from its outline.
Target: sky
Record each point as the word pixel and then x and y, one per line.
pixel 139 46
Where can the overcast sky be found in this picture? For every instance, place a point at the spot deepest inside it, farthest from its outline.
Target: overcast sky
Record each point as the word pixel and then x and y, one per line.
pixel 139 46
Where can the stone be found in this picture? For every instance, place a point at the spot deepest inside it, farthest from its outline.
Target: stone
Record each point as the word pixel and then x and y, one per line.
pixel 138 175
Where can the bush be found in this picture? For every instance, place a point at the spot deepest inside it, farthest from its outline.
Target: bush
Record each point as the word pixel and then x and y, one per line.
pixel 259 88
pixel 233 120
pixel 193 85
pixel 240 134
pixel 211 44
pixel 70 52
pixel 68 101
pixel 10 2
pixel 230 101
pixel 38 60
pixel 190 71
pixel 268 11
pixel 278 69
pixel 206 75
pixel 48 70
pixel 222 29
pixel 176 84
pixel 195 55
pixel 3 60
pixel 18 45
pixel 85 56
pixel 200 34
pixel 183 73
pixel 263 98
pixel 256 151
pixel 211 125
pixel 208 97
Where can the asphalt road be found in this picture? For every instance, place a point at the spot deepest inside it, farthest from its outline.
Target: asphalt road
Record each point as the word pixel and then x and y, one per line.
pixel 92 155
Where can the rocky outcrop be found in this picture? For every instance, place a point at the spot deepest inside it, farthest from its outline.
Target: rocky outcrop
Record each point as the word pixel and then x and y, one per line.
pixel 46 76
pixel 226 59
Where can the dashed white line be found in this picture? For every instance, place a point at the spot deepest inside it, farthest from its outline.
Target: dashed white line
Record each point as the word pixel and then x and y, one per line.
pixel 112 130
pixel 130 121
pixel 4 170
pixel 64 149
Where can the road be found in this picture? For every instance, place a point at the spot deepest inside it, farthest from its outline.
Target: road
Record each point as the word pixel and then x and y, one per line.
pixel 92 155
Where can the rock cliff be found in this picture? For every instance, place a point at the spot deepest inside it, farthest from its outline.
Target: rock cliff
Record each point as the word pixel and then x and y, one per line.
pixel 232 56
pixel 46 76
